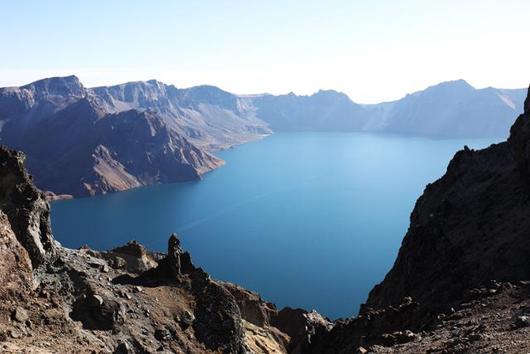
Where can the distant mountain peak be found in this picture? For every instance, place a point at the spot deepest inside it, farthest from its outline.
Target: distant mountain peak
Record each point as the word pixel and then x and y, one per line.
pixel 57 80
pixel 453 84
pixel 330 93
pixel 58 85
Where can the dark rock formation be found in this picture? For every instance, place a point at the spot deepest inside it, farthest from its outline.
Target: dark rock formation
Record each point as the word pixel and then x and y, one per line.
pixel 303 327
pixel 25 206
pixel 15 265
pixel 467 228
pixel 527 102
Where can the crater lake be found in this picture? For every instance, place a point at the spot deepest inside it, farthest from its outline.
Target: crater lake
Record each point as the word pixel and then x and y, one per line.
pixel 311 220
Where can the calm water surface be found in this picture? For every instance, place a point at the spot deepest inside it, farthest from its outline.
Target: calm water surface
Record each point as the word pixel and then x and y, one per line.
pixel 309 220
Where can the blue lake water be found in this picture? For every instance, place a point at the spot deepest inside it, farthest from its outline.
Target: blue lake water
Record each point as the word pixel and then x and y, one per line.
pixel 309 220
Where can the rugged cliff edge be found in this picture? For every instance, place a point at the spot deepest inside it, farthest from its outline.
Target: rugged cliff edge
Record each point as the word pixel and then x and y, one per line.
pixel 468 227
pixel 126 300
pixel 459 283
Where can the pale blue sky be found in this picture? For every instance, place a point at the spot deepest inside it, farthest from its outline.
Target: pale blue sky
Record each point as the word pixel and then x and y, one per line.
pixel 372 50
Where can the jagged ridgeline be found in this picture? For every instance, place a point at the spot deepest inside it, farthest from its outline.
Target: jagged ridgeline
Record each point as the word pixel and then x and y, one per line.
pixel 85 141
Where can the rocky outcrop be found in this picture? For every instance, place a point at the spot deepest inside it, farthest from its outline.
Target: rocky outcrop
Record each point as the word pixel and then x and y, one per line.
pixel 25 207
pixel 15 264
pixel 467 228
pixel 208 116
pixel 467 243
pixel 527 102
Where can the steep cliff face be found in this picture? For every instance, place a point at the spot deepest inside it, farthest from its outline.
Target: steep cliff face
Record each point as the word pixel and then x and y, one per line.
pixel 25 207
pixel 206 115
pixel 459 283
pixel 75 145
pixel 468 227
pixel 323 111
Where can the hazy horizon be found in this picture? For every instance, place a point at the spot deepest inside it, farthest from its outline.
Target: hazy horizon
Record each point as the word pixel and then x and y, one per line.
pixel 371 52
pixel 250 94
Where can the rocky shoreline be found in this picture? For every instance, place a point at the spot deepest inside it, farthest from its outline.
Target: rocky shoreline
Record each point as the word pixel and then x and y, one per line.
pixel 459 284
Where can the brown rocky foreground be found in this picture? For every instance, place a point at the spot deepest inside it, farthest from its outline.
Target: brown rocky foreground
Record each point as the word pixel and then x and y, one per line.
pixel 126 300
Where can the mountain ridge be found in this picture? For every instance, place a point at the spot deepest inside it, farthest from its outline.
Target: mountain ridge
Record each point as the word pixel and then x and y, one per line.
pixel 60 125
pixel 38 118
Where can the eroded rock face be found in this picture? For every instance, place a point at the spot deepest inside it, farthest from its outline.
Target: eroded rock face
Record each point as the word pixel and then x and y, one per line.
pixel 25 206
pixel 83 302
pixel 468 227
pixel 132 256
pixel 15 264
pixel 304 328
pixel 82 142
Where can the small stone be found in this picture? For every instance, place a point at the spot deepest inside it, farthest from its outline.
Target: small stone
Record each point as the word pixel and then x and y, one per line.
pixel 361 350
pixel 409 335
pixel 94 264
pixel 406 300
pixel 14 334
pixel 522 321
pixel 475 336
pixel 20 314
pixel 118 262
pixel 123 348
pixel 187 318
pixel 95 300
pixel 137 289
pixel 162 334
